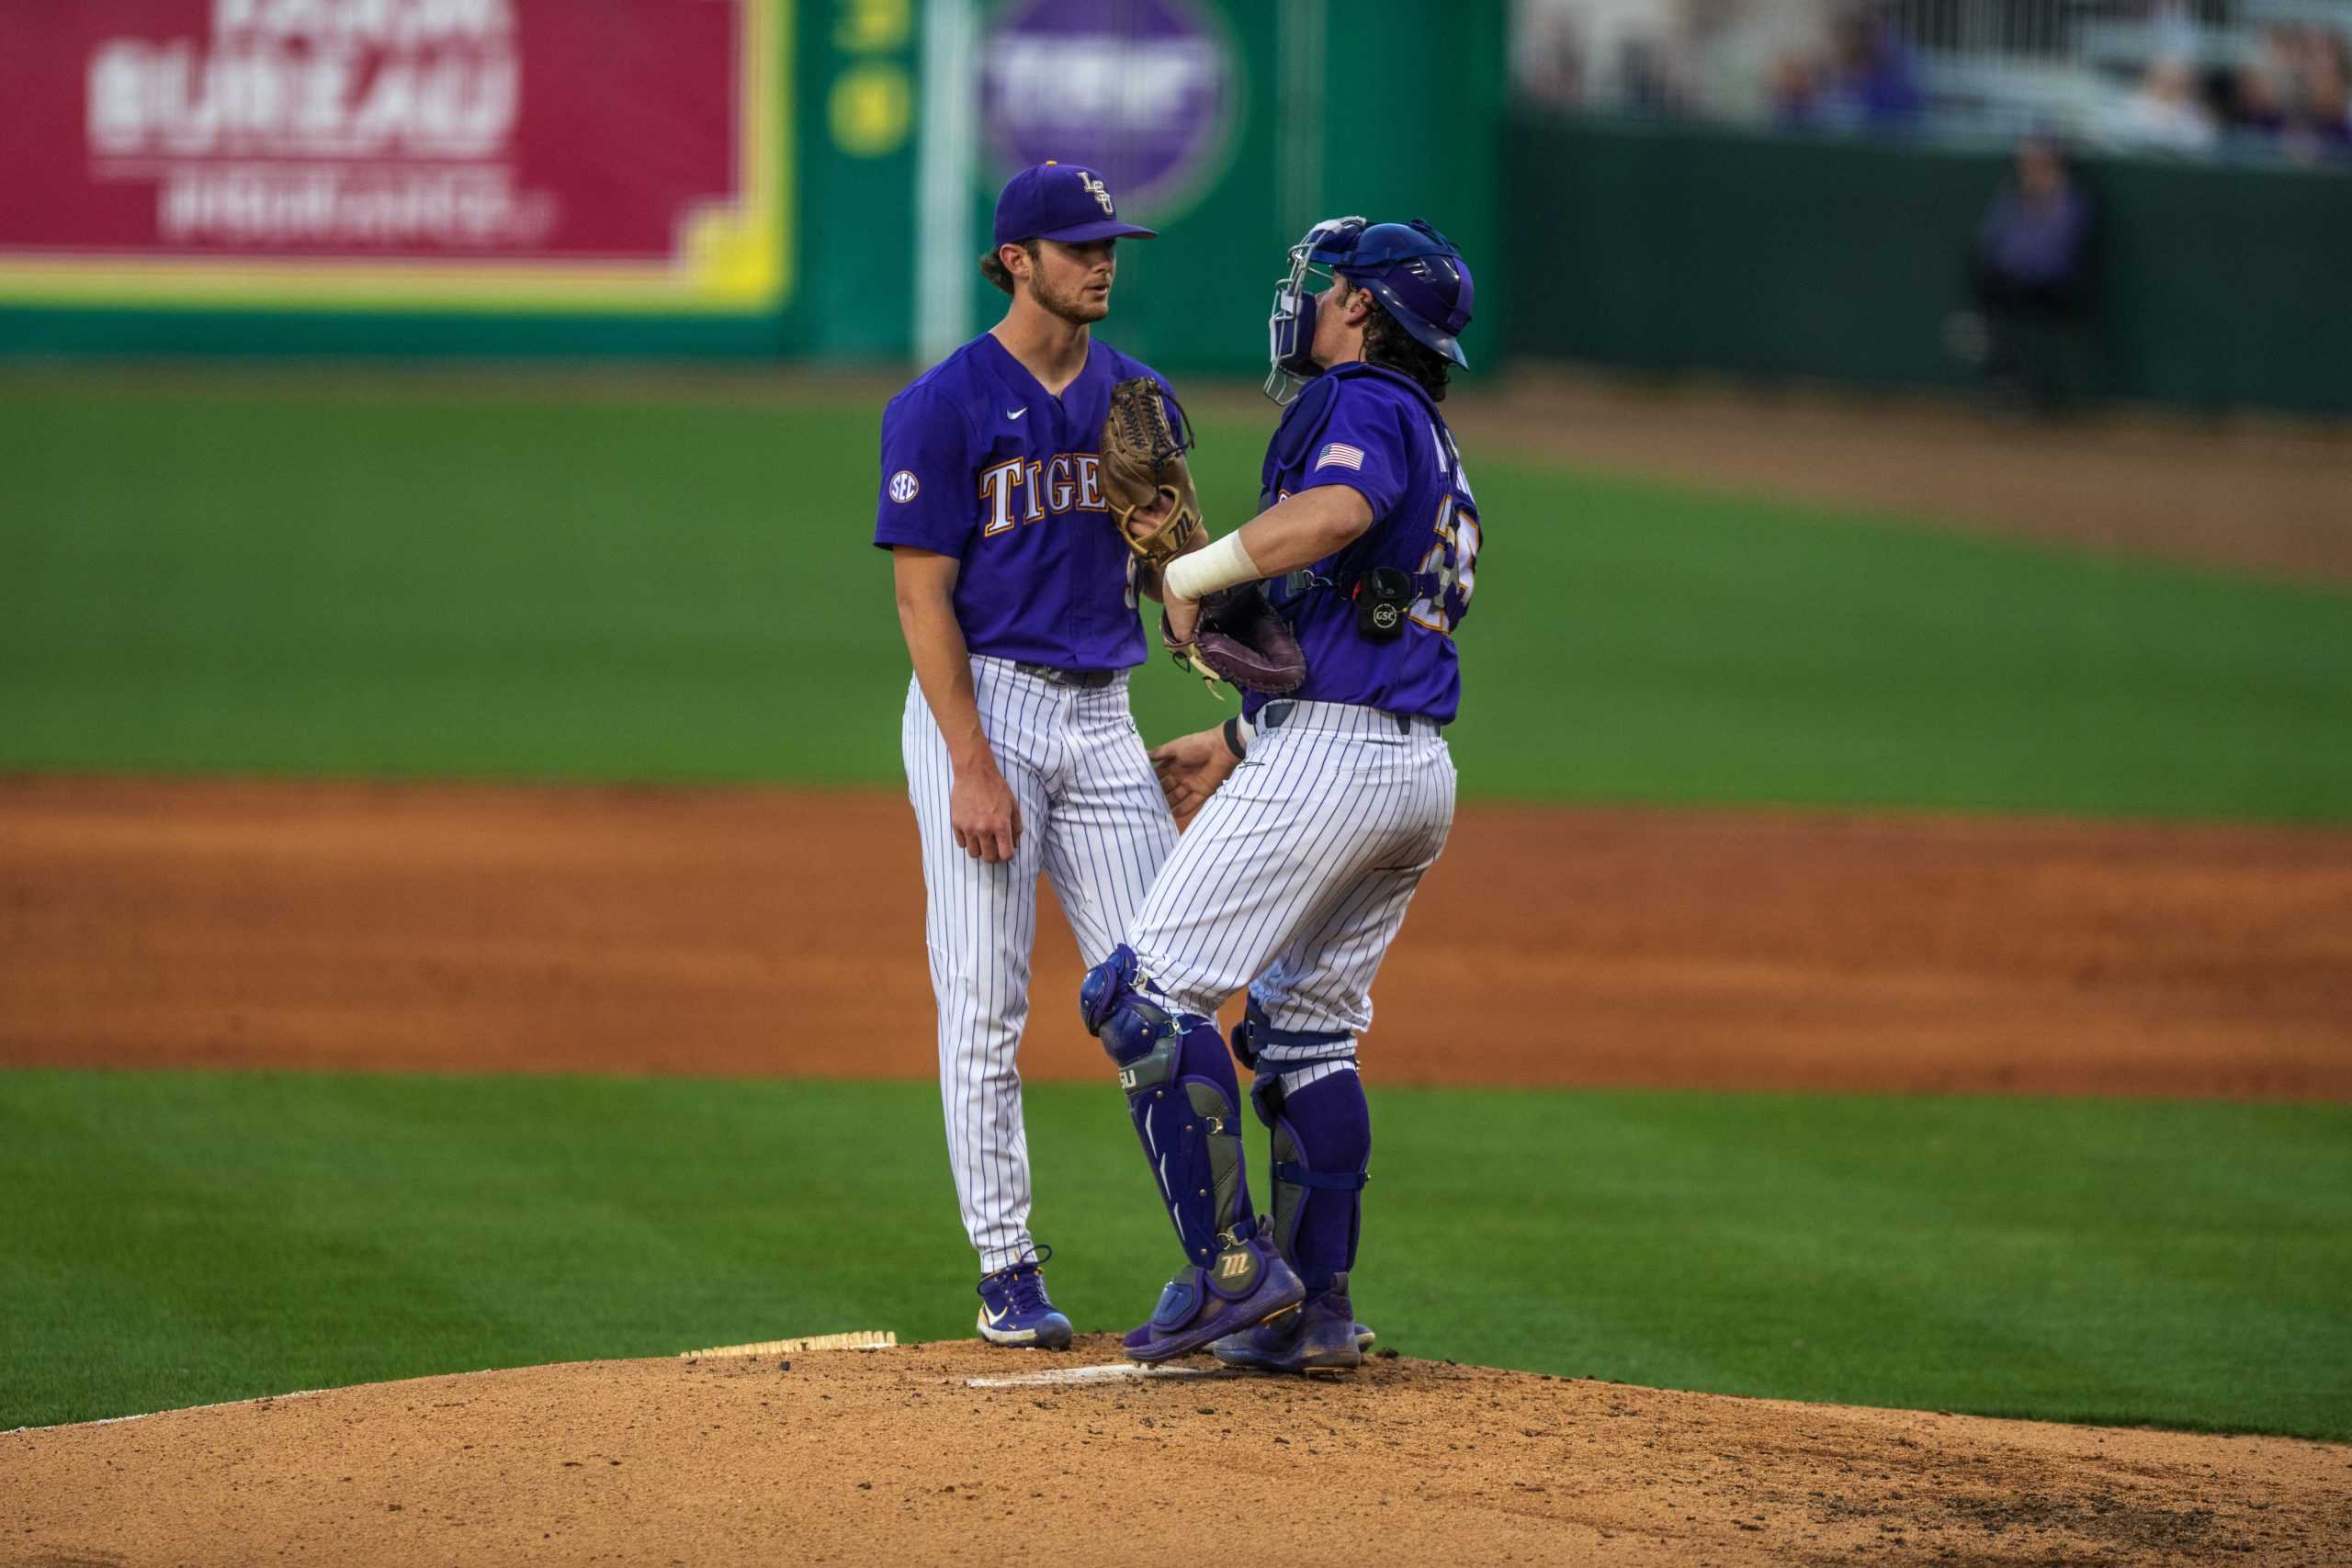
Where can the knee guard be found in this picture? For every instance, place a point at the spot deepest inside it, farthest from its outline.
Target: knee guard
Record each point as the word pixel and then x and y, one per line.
pixel 1322 1148
pixel 1306 1048
pixel 1185 1101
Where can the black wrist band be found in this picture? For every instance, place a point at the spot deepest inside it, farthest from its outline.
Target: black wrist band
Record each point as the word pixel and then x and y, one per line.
pixel 1233 738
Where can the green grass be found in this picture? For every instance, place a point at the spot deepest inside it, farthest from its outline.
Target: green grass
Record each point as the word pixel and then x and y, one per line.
pixel 176 1238
pixel 420 583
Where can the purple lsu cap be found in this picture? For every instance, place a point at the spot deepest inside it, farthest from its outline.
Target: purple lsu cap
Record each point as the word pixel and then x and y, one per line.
pixel 1060 201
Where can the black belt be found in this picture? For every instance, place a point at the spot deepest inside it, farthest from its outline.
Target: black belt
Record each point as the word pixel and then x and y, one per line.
pixel 1086 680
pixel 1274 716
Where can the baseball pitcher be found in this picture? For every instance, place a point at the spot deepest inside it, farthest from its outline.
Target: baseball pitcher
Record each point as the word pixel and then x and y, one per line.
pixel 1017 584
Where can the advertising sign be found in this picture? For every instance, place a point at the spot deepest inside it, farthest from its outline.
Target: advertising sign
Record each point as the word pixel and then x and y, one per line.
pixel 388 154
pixel 1147 91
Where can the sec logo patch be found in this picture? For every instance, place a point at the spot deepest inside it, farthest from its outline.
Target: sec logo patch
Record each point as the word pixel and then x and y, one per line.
pixel 904 487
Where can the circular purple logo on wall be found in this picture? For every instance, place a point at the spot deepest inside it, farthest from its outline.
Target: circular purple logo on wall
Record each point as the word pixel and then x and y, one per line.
pixel 1144 90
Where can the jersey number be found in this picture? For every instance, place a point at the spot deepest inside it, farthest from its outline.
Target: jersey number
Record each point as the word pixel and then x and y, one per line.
pixel 1453 559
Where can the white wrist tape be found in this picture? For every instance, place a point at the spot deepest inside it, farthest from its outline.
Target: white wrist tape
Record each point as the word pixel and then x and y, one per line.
pixel 1223 564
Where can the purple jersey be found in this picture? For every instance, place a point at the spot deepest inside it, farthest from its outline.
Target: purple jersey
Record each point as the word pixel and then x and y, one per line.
pixel 1375 432
pixel 980 463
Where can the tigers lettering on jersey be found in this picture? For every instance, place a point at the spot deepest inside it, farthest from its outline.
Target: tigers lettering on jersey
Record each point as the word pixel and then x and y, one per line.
pixel 981 462
pixel 1068 482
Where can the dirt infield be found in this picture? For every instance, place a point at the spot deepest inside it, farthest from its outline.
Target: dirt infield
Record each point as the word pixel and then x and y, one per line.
pixel 397 927
pixel 484 929
pixel 2265 496
pixel 893 1457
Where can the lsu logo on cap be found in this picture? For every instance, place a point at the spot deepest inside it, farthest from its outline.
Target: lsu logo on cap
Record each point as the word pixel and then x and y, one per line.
pixel 904 486
pixel 1099 191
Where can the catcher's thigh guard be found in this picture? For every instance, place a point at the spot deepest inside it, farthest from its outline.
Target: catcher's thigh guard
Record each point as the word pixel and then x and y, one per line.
pixel 1185 1100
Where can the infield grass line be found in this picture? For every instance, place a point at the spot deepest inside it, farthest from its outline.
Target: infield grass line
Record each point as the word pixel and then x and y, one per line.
pixel 185 1238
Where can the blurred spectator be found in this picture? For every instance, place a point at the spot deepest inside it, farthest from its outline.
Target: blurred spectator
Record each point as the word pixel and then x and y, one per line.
pixel 2166 113
pixel 1867 80
pixel 1873 78
pixel 1548 54
pixel 2258 107
pixel 1735 47
pixel 2032 273
pixel 1649 77
pixel 1796 93
pixel 1962 67
pixel 2322 123
pixel 1603 53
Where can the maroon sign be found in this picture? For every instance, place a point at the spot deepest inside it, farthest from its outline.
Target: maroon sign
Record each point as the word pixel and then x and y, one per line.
pixel 386 130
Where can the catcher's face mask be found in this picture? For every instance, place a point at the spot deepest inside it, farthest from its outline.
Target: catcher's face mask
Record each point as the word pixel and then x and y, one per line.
pixel 1289 330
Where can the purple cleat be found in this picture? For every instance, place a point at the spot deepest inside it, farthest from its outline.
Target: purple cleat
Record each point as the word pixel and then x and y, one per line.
pixel 1016 1310
pixel 1243 1286
pixel 1364 1337
pixel 1322 1336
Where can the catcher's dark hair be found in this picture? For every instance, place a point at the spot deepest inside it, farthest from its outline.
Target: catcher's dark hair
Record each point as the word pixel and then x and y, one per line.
pixel 993 268
pixel 1388 344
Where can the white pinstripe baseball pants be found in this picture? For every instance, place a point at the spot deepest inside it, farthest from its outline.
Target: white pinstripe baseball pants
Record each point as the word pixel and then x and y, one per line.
pixel 1295 877
pixel 1094 822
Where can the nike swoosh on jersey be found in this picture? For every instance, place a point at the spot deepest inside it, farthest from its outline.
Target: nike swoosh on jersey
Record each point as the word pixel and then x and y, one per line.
pixel 1016 413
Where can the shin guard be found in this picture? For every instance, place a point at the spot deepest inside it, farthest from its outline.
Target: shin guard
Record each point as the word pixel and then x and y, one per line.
pixel 1322 1148
pixel 1185 1101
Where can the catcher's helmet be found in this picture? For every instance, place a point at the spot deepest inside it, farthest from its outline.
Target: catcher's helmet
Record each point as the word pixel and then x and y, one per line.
pixel 1415 271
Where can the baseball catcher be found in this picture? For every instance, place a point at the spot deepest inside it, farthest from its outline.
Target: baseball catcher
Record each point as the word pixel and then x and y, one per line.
pixel 1293 887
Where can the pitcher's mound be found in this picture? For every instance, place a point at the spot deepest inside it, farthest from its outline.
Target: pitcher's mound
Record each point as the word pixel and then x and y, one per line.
pixel 952 1453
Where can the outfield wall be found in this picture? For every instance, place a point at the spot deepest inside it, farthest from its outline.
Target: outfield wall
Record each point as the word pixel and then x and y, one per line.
pixel 1673 249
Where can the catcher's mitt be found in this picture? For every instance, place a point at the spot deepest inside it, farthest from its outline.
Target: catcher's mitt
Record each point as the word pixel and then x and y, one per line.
pixel 1241 640
pixel 1143 460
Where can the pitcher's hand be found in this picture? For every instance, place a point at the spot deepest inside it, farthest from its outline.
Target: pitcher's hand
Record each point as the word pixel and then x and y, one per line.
pixel 984 816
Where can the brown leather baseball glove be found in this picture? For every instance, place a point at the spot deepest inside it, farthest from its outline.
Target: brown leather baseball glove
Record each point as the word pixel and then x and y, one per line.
pixel 1144 440
pixel 1241 640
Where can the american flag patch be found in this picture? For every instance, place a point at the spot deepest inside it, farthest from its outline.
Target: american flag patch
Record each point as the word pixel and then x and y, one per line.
pixel 1339 455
